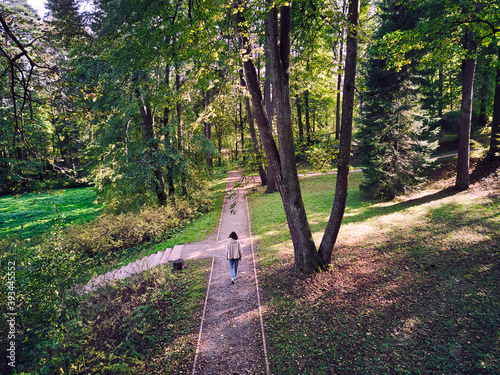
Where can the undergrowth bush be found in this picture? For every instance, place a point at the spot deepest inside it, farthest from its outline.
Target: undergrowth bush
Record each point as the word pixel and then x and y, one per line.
pixel 120 231
pixel 46 306
pixel 145 325
pixel 142 325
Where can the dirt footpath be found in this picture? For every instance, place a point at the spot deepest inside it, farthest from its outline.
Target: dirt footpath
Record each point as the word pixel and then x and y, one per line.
pixel 231 335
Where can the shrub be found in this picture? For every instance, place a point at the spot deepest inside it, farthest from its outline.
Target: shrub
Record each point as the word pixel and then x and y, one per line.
pixel 120 231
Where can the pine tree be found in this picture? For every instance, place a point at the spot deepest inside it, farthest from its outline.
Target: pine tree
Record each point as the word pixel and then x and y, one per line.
pixel 392 137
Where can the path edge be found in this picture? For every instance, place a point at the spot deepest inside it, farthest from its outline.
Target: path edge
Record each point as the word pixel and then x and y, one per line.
pixel 266 359
pixel 203 318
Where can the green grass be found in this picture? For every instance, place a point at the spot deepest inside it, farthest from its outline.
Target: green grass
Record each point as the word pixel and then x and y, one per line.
pixel 33 214
pixel 413 287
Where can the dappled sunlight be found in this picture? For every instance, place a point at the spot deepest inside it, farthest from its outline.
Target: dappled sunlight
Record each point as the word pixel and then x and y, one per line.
pixel 319 218
pixel 177 348
pixel 353 234
pixel 411 279
pixel 467 236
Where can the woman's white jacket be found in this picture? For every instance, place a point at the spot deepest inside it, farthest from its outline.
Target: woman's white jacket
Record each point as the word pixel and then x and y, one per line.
pixel 233 249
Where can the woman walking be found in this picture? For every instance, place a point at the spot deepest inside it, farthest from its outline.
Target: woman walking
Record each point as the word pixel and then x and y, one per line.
pixel 233 254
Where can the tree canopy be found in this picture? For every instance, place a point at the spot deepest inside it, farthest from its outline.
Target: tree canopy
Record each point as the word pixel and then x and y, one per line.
pixel 143 100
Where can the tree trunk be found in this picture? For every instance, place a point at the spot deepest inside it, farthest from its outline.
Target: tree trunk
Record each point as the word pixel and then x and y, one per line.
pixel 178 108
pixel 339 202
pixel 219 144
pixel 253 134
pixel 242 132
pixel 149 140
pixel 339 85
pixel 269 105
pixel 468 71
pixel 441 92
pixel 299 118
pixel 282 162
pixel 306 257
pixel 168 141
pixel 483 118
pixel 180 131
pixel 494 152
pixel 308 121
pixel 208 132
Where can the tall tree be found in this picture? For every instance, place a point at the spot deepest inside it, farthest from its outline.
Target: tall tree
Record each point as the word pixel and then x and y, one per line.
pixel 282 161
pixel 165 102
pixel 340 200
pixel 67 19
pixel 468 72
pixel 269 104
pixel 148 135
pixel 392 143
pixel 465 25
pixel 28 60
pixel 253 134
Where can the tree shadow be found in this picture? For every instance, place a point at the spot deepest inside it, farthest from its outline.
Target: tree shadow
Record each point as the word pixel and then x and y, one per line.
pixel 375 211
pixel 427 302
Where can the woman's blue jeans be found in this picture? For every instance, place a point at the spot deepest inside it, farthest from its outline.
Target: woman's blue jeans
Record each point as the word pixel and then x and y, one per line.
pixel 233 267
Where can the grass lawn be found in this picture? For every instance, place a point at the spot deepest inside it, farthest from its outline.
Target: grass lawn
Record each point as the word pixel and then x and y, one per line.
pixel 414 287
pixel 33 214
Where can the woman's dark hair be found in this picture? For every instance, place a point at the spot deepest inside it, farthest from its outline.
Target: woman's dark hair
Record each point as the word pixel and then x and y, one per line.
pixel 233 235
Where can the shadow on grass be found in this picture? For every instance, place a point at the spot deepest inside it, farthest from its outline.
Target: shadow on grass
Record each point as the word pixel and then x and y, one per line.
pixel 425 302
pixel 377 211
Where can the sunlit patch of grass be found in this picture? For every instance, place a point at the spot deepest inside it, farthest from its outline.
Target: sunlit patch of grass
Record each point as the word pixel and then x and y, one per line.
pixel 33 214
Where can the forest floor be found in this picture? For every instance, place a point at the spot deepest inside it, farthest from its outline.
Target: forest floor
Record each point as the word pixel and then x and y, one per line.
pixel 412 289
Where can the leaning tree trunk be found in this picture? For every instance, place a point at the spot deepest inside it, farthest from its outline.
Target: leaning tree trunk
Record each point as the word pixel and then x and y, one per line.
pixel 282 162
pixel 306 257
pixel 494 152
pixel 468 71
pixel 253 134
pixel 271 181
pixel 339 85
pixel 339 202
pixel 255 140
